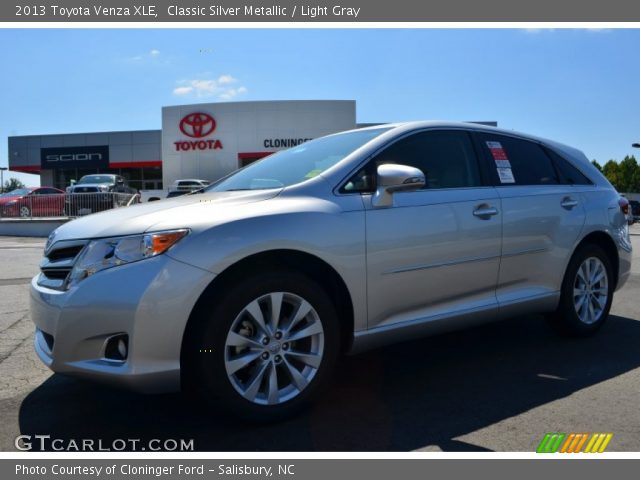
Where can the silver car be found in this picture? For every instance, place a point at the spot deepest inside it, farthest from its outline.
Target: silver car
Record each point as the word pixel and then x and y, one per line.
pixel 249 291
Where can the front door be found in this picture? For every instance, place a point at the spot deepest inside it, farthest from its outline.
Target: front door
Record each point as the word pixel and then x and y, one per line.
pixel 436 251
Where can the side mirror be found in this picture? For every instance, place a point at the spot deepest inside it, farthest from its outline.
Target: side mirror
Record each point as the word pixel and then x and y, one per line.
pixel 72 182
pixel 396 178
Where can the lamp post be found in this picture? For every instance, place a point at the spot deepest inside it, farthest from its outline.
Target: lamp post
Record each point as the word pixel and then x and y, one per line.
pixel 2 169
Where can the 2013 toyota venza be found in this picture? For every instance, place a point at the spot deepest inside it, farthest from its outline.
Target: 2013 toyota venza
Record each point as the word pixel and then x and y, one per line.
pixel 249 290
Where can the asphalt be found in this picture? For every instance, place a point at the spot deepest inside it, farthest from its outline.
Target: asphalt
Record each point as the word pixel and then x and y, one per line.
pixel 498 387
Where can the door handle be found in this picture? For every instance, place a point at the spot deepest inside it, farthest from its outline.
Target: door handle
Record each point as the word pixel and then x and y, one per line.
pixel 485 211
pixel 568 203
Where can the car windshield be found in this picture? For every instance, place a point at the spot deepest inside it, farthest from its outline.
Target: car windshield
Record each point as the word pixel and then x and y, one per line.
pixel 96 179
pixel 296 164
pixel 18 191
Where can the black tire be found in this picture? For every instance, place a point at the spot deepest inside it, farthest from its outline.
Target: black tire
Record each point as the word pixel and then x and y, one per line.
pixel 214 322
pixel 565 320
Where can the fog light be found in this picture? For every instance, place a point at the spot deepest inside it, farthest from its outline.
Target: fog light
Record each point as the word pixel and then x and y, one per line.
pixel 117 348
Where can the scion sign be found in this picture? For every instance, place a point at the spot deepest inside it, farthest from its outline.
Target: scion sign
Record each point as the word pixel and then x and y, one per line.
pixel 81 157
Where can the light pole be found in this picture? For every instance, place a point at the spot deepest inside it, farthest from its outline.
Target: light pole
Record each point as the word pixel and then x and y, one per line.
pixel 2 169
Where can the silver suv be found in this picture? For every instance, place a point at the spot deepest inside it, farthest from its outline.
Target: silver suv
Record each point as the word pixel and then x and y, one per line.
pixel 249 290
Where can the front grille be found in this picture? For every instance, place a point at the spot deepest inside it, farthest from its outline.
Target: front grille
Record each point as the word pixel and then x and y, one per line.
pixel 58 263
pixel 64 252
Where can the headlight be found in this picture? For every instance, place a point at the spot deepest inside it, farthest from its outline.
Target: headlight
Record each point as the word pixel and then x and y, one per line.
pixel 106 253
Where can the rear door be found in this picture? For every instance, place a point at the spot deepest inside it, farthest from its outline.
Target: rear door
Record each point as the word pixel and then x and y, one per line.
pixel 542 217
pixel 436 251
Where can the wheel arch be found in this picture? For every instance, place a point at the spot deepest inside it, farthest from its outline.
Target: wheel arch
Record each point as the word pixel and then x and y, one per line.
pixel 296 260
pixel 604 241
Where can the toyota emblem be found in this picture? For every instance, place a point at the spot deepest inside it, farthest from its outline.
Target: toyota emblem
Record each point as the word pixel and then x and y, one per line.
pixel 197 125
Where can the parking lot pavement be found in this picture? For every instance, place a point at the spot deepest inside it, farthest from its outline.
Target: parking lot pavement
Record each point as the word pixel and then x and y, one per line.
pixel 497 387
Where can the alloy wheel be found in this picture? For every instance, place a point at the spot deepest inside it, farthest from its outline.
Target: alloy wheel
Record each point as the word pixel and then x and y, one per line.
pixel 590 290
pixel 274 348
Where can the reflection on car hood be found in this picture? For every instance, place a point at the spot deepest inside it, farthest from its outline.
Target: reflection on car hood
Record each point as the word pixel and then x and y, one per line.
pixel 179 212
pixel 7 199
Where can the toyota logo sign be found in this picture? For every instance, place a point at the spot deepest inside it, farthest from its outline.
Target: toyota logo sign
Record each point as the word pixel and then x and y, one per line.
pixel 197 125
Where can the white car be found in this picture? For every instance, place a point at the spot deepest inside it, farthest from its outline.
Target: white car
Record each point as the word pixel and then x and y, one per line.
pixel 189 185
pixel 179 187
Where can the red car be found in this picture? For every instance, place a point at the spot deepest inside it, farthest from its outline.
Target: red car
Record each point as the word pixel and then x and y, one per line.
pixel 32 202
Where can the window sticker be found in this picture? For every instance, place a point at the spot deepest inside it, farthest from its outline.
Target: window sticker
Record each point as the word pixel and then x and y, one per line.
pixel 499 155
pixel 506 175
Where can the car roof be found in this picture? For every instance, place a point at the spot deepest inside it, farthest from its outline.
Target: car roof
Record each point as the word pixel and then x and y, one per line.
pixel 417 125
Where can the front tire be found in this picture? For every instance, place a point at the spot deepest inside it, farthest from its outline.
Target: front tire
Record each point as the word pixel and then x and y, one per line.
pixel 587 293
pixel 267 346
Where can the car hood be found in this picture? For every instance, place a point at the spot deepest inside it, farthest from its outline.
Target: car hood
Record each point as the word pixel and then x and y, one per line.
pixel 5 200
pixel 179 212
pixel 92 185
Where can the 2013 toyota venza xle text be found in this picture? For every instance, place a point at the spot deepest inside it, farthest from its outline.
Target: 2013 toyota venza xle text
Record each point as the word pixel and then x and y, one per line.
pixel 248 291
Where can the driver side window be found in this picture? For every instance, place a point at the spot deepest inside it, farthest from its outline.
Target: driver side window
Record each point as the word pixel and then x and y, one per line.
pixel 447 158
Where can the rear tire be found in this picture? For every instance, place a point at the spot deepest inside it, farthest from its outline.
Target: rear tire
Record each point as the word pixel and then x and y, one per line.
pixel 267 346
pixel 586 295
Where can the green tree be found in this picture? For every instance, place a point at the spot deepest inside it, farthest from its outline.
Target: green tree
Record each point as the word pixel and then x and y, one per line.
pixel 611 170
pixel 597 165
pixel 12 184
pixel 628 174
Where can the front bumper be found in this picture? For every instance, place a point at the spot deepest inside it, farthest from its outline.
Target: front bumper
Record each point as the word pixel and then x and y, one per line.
pixel 150 301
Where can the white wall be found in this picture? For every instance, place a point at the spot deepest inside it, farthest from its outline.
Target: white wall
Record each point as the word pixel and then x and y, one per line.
pixel 243 127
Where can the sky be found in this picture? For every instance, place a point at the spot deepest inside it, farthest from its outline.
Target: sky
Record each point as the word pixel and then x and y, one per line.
pixel 576 86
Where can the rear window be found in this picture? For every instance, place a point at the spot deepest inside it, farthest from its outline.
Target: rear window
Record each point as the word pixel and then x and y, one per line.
pixel 517 161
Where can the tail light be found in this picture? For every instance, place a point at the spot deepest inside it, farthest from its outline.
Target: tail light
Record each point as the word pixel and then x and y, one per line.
pixel 624 205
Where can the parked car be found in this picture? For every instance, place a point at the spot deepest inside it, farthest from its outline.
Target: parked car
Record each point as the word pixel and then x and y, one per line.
pixel 189 185
pixel 249 291
pixel 179 188
pixel 94 193
pixel 33 202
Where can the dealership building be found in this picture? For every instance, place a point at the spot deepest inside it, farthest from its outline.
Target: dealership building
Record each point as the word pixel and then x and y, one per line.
pixel 205 141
